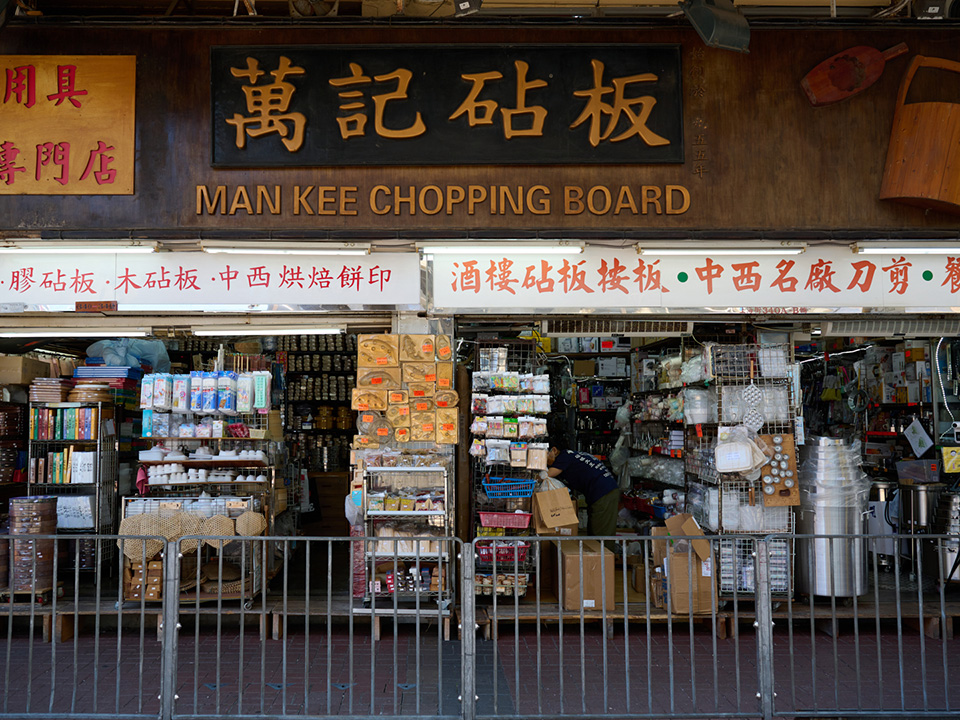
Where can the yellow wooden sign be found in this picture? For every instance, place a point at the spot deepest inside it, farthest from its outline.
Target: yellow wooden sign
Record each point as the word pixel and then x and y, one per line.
pixel 67 124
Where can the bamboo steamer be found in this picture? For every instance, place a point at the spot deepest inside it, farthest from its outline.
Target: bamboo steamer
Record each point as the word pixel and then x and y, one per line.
pixel 923 158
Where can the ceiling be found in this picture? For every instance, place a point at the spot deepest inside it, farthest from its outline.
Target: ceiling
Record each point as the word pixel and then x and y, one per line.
pixel 309 11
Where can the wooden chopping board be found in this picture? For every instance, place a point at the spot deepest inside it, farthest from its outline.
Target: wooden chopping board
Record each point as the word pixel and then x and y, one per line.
pixel 847 73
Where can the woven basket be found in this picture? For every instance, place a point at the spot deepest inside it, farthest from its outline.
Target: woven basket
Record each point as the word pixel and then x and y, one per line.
pixel 133 548
pixel 217 525
pixel 251 524
pixel 190 524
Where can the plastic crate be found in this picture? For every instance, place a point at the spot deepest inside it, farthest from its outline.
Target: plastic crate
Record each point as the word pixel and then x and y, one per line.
pixel 517 521
pixel 508 488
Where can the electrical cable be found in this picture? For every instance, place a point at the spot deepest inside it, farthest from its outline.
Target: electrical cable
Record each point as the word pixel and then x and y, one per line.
pixel 943 393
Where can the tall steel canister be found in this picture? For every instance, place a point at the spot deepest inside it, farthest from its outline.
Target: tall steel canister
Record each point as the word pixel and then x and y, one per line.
pixel 945 550
pixel 833 501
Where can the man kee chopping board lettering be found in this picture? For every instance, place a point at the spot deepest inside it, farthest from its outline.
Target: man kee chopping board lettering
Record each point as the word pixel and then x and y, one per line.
pixel 847 73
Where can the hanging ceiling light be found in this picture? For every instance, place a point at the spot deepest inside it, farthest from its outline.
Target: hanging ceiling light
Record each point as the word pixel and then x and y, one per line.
pixel 719 23
pixel 239 330
pixel 268 247
pixel 907 248
pixel 520 248
pixel 742 248
pixel 79 247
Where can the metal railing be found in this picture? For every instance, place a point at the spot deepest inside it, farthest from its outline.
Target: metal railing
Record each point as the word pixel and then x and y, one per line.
pixel 552 627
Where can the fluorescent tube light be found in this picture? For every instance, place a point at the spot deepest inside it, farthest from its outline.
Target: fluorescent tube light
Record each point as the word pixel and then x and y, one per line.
pixel 267 247
pixel 85 247
pixel 905 248
pixel 481 248
pixel 73 332
pixel 745 248
pixel 238 330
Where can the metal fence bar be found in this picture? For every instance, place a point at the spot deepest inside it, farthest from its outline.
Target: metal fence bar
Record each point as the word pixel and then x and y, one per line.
pixel 170 629
pixel 764 625
pixel 468 636
pixel 943 624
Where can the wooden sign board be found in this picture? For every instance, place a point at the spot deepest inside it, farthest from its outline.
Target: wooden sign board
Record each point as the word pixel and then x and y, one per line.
pixel 67 124
pixel 786 470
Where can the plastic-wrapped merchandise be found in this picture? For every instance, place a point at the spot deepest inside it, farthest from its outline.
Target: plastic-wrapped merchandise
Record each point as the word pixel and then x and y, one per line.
pixel 227 393
pixel 196 391
pixel 699 406
pixel 245 393
pixel 691 370
pixel 209 397
pixel 162 391
pixel 146 392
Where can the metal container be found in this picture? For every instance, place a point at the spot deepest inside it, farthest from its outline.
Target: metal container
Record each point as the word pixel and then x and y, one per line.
pixel 833 501
pixel 882 494
pixel 946 551
pixel 917 505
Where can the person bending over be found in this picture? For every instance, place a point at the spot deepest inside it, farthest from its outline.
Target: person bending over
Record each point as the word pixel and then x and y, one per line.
pixel 588 475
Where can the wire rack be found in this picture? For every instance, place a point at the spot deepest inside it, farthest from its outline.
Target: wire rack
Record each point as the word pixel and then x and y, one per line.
pixel 742 510
pixel 699 456
pixel 738 572
pixel 508 355
pixel 732 362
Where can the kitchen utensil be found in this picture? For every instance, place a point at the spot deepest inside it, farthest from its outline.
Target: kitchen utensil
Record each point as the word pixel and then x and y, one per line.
pixel 847 73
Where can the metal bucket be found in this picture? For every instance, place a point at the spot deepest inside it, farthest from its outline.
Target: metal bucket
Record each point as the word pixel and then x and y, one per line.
pixel 831 566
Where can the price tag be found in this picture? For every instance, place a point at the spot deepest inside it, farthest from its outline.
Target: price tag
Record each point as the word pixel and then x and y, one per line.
pixel 421 407
pixel 428 427
pixel 377 381
pixel 606 344
pixel 403 432
pixel 442 403
pixel 367 418
pixel 443 382
pixel 444 353
pixel 396 397
pixel 427 348
pixel 383 432
pixel 363 406
pixel 447 427
pixel 382 360
pixel 403 410
pixel 419 393
pixel 699 430
pixel 430 377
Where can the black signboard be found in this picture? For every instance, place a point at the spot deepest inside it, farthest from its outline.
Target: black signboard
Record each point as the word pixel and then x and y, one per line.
pixel 312 106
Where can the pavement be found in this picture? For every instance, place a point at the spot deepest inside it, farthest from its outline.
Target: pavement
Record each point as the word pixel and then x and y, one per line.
pixel 649 670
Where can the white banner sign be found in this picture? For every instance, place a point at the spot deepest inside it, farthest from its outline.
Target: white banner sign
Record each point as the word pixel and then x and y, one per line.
pixel 200 280
pixel 818 280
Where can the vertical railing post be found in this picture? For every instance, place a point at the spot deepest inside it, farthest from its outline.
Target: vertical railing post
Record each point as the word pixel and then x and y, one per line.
pixel 468 635
pixel 764 626
pixel 170 630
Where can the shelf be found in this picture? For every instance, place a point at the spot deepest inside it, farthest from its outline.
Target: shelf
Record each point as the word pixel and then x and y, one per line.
pixel 405 513
pixel 108 439
pixel 212 464
pixel 598 432
pixel 664 422
pixel 92 486
pixel 335 373
pixel 603 378
pixel 423 557
pixel 428 468
pixel 589 355
pixel 207 439
pixel 597 410
pixel 319 430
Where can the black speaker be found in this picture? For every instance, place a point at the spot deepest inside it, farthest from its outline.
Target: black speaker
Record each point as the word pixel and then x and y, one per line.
pixel 936 9
pixel 465 7
pixel 718 23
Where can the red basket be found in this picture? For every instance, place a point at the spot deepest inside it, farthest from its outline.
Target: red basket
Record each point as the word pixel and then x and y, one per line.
pixel 505 552
pixel 517 521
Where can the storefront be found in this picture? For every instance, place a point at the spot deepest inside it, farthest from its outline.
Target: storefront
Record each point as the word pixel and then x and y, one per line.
pixel 535 190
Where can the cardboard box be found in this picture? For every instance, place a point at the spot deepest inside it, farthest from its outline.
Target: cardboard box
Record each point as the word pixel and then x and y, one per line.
pixel 607 367
pixel 19 370
pixel 554 513
pixel 658 589
pixel 675 557
pixel 584 368
pixel 598 574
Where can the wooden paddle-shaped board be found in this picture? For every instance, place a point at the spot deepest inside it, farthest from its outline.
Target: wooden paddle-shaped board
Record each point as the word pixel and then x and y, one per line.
pixel 847 73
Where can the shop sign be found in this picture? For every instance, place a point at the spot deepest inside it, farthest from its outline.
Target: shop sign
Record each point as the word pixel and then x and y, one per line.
pixel 309 106
pixel 822 279
pixel 67 124
pixel 200 281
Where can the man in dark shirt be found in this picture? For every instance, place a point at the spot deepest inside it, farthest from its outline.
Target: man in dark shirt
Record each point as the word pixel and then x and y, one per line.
pixel 589 476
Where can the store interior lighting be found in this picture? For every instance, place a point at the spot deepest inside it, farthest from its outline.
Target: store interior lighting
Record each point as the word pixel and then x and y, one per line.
pixel 243 330
pixel 907 248
pixel 679 249
pixel 80 247
pixel 481 248
pixel 268 247
pixel 47 332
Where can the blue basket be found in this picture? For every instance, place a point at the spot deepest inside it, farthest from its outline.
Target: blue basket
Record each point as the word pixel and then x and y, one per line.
pixel 507 488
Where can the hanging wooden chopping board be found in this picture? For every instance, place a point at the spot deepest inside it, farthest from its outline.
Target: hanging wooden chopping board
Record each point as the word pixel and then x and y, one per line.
pixel 847 73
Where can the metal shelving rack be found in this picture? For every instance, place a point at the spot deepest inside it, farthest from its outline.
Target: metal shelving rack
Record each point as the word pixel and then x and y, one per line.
pixel 394 478
pixel 767 367
pixel 103 489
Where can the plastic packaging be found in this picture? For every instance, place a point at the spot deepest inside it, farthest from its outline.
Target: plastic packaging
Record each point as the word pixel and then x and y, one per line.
pixel 699 406
pixel 181 393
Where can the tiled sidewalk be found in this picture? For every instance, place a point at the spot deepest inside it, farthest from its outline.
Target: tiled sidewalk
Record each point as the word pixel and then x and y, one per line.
pixel 410 675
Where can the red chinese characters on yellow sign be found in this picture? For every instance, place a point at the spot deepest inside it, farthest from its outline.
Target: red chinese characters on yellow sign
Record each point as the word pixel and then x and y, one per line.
pixel 67 124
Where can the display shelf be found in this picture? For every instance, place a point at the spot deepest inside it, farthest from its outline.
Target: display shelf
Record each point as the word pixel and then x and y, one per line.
pixel 405 513
pixel 597 410
pixel 207 439
pixel 588 355
pixel 603 378
pixel 320 430
pixel 212 464
pixel 423 557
